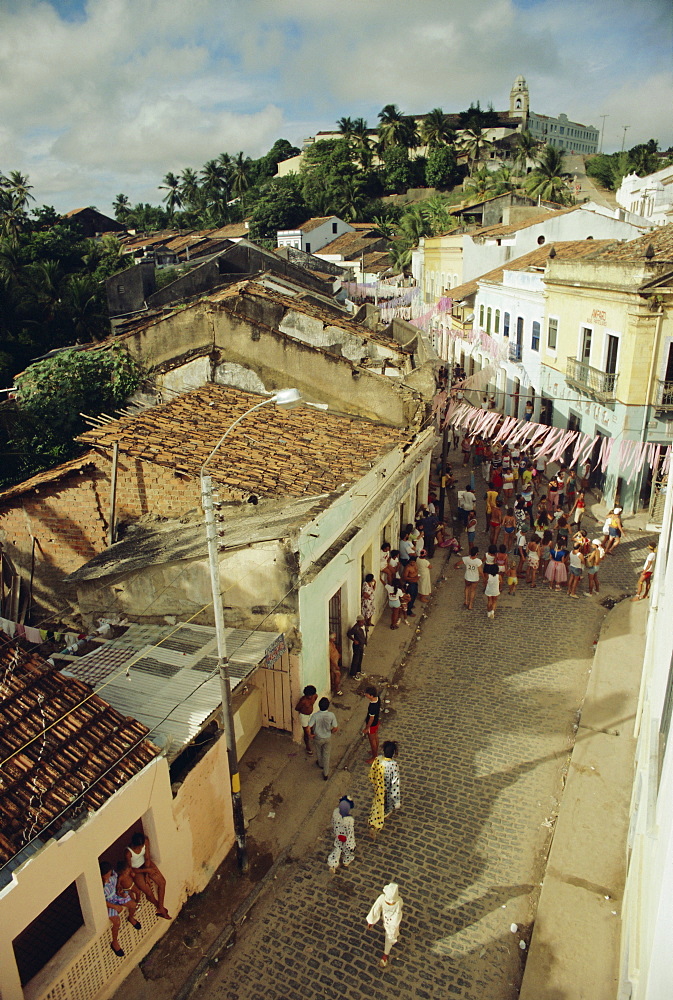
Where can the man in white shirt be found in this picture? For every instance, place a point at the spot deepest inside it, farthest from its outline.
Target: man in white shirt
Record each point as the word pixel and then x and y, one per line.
pixel 466 503
pixel 645 578
pixel 323 724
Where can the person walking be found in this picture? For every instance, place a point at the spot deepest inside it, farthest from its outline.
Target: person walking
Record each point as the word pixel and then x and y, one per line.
pixel 424 580
pixel 578 508
pixel 645 578
pixel 492 590
pixel 491 499
pixel 389 907
pixel 467 501
pixel 394 592
pixel 323 725
pixel 473 572
pixel 343 828
pixel 334 665
pixel 358 637
pixel 410 577
pixel 533 561
pixel 575 568
pixel 305 707
pixel 593 561
pixel 371 727
pixel 509 527
pixel 496 523
pixel 466 448
pixel 384 775
pixel 472 525
pixel 615 530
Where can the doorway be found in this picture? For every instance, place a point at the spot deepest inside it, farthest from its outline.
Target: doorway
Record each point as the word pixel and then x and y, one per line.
pixel 334 618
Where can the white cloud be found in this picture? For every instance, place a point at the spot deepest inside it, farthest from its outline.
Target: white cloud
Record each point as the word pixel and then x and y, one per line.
pixel 110 100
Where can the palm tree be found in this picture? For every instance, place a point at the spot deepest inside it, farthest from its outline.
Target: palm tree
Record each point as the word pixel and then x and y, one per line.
pixel 481 184
pixel 437 211
pixel 526 147
pixel 85 308
pixel 393 127
pixel 240 175
pixel 189 186
pixel 216 187
pixel 474 142
pixel 121 206
pixel 173 196
pixel 362 144
pixel 345 126
pixel 435 129
pixel 18 187
pixel 548 180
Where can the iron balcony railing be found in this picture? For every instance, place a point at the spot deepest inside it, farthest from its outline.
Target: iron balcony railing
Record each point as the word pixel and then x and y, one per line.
pixel 515 352
pixel 665 395
pixel 594 382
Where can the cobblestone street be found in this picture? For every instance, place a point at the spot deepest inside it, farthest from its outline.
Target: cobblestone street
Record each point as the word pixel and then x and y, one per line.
pixel 485 717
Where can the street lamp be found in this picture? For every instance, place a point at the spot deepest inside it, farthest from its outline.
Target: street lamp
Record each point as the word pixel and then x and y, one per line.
pixel 287 399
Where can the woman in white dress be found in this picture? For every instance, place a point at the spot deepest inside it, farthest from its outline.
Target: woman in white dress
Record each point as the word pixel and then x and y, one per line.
pixel 389 906
pixel 492 590
pixel 424 581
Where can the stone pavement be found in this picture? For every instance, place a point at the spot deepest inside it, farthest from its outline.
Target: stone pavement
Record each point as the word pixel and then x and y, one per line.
pixel 485 715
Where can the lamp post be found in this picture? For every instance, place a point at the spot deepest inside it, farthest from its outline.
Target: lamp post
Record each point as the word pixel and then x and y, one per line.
pixel 285 398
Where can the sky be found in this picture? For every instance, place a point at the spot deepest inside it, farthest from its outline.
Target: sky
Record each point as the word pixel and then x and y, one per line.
pixel 101 97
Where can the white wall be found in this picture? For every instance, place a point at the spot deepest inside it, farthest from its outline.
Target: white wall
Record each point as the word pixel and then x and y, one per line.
pixel 646 971
pixel 372 503
pixel 580 224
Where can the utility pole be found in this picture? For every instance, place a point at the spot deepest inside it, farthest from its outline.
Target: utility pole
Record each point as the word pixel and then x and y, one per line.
pixel 603 117
pixel 626 128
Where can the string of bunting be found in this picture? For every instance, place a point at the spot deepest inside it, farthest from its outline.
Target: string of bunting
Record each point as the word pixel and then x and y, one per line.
pixel 550 443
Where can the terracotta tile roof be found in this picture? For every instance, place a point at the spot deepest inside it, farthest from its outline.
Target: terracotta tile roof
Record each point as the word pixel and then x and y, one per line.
pixel 311 224
pixel 634 251
pixel 86 461
pixel 566 250
pixel 275 452
pixel 502 229
pixel 232 231
pixel 89 746
pixel 350 245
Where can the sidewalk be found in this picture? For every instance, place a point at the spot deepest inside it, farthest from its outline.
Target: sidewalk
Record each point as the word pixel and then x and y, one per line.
pixel 574 950
pixel 278 811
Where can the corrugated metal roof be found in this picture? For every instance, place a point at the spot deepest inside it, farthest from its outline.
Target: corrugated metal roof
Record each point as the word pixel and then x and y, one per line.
pixel 166 676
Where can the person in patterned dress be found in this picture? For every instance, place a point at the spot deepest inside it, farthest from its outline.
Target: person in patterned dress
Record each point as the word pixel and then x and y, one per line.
pixel 343 828
pixel 384 775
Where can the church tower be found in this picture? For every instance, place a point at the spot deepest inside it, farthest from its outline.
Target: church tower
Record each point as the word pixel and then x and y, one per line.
pixel 518 100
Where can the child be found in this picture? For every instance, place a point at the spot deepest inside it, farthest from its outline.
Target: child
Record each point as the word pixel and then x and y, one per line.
pixel 125 883
pixel 533 560
pixel 520 550
pixel 371 728
pixel 512 578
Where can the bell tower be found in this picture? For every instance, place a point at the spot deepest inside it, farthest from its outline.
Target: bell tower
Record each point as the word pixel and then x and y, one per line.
pixel 518 100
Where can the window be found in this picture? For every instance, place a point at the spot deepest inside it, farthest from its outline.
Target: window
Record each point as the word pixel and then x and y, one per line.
pixel 505 325
pixel 540 241
pixel 585 354
pixel 611 349
pixel 561 129
pixel 120 289
pixel 44 936
pixel 481 317
pixel 496 327
pixel 308 248
pixel 334 227
pixel 488 320
pixel 552 334
pixel 535 339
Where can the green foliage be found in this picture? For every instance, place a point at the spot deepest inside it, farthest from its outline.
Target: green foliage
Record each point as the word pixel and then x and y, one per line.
pixel 609 169
pixel 397 171
pixel 428 218
pixel 476 118
pixel 52 394
pixel 280 206
pixel 441 169
pixel 548 179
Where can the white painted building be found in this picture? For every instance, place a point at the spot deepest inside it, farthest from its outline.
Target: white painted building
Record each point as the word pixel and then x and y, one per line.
pixel 314 234
pixel 650 197
pixel 646 970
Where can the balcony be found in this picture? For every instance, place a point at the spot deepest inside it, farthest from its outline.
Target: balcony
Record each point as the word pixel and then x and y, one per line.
pixel 664 395
pixel 515 352
pixel 592 381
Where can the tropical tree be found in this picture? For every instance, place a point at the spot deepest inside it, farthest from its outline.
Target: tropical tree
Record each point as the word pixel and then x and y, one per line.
pixel 240 180
pixel 525 149
pixel 18 188
pixel 475 143
pixel 435 129
pixel 548 180
pixel 396 129
pixel 188 186
pixel 345 126
pixel 121 206
pixel 173 197
pixel 437 212
pixel 441 169
pixel 281 206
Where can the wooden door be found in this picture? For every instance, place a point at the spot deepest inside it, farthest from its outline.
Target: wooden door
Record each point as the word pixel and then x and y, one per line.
pixel 275 688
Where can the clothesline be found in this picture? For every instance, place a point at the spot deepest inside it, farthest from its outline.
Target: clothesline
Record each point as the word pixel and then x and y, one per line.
pixel 551 443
